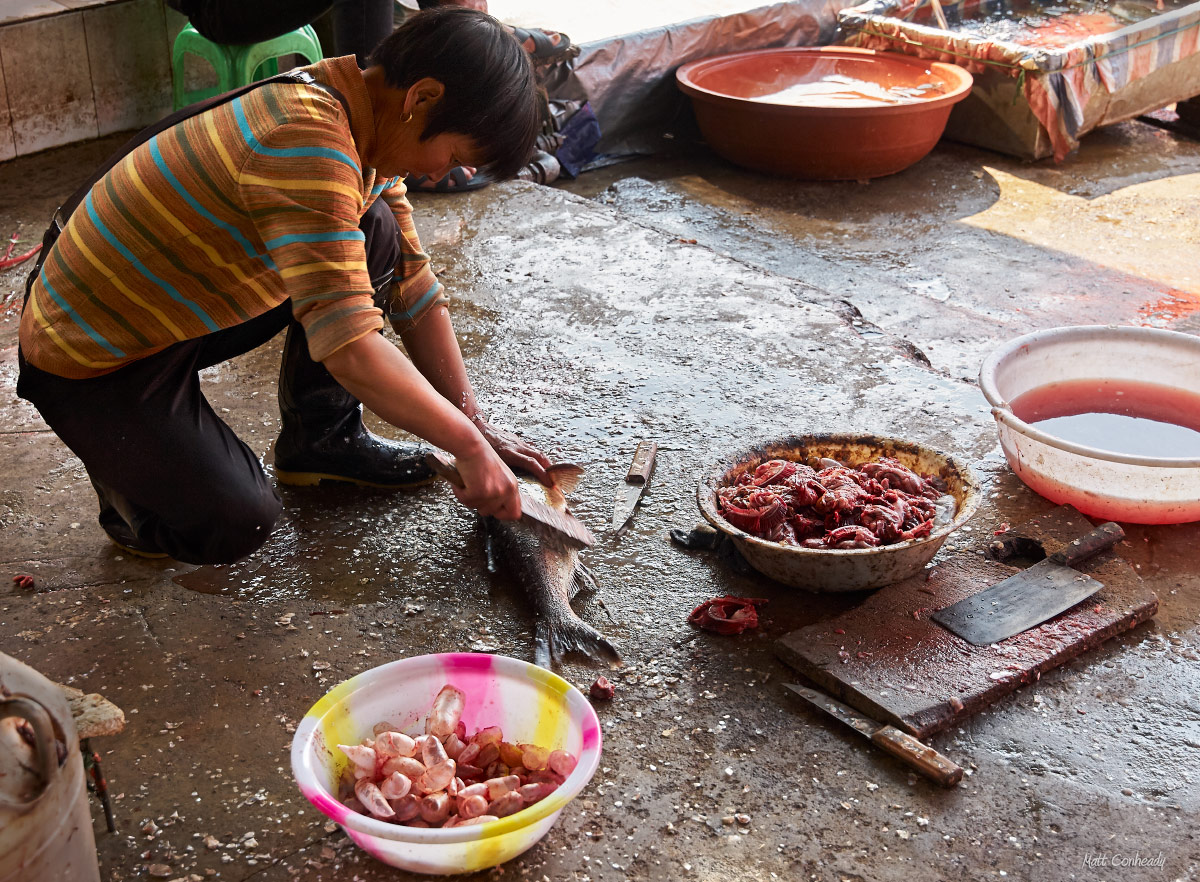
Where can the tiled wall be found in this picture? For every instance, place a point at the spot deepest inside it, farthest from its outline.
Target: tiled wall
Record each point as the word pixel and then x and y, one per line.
pixel 77 69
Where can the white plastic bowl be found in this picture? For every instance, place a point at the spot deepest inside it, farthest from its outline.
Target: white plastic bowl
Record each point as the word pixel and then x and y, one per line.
pixel 529 703
pixel 1113 486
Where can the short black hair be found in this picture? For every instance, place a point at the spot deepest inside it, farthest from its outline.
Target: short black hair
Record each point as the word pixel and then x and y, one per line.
pixel 491 92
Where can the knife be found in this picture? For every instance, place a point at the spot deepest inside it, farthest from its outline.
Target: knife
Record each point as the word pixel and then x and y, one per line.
pixel 635 485
pixel 560 526
pixel 899 744
pixel 1032 596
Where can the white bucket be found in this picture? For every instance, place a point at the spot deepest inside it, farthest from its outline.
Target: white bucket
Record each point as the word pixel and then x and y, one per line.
pixel 45 823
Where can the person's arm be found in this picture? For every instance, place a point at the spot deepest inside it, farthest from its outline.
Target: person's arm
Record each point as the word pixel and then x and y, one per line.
pixel 311 232
pixel 419 316
pixel 433 348
pixel 377 374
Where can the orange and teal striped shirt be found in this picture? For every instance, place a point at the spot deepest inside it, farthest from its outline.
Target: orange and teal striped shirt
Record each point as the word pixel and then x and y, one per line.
pixel 219 219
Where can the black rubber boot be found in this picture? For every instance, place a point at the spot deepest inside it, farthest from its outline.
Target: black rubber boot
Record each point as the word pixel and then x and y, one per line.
pixel 323 437
pixel 117 517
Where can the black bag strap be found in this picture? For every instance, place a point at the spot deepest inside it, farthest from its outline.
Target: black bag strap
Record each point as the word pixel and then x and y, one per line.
pixel 64 211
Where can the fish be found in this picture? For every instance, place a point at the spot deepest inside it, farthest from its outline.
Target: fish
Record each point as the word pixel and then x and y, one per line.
pixel 551 574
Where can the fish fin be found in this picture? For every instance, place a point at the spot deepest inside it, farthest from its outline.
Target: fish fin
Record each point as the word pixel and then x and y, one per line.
pixel 584 580
pixel 574 635
pixel 566 476
pixel 555 498
pixel 541 644
pixel 488 526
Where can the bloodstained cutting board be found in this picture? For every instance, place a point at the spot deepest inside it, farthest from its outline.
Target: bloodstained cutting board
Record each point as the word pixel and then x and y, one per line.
pixel 889 660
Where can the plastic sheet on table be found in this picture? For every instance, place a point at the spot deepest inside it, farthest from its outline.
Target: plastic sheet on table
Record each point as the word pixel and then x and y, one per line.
pixel 630 80
pixel 1070 89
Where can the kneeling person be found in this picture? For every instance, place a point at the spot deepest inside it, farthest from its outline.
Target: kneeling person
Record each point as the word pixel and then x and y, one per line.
pixel 280 209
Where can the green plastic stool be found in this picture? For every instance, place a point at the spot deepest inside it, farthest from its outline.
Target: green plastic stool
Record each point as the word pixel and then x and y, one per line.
pixel 237 65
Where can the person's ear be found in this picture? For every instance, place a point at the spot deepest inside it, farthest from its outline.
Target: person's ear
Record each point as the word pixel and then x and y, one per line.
pixel 423 94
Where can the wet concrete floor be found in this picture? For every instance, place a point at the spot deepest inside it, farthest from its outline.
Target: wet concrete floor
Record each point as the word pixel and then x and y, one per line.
pixel 590 318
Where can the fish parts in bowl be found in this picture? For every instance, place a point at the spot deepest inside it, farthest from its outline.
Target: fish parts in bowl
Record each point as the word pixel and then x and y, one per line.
pixel 529 704
pixel 828 569
pixel 828 113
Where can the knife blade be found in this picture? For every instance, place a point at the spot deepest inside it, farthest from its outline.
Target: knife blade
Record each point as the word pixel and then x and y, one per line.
pixel 1032 596
pixel 636 482
pixel 901 745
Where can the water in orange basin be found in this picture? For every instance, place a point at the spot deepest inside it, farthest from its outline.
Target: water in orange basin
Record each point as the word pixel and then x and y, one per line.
pixel 840 90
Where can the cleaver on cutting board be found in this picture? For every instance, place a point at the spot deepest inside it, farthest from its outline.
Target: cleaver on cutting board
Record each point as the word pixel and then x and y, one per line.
pixel 1032 596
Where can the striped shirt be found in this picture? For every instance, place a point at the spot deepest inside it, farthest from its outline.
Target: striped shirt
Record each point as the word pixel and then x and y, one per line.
pixel 221 218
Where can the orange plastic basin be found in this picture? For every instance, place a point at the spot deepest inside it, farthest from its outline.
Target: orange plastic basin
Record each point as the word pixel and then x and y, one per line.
pixel 829 113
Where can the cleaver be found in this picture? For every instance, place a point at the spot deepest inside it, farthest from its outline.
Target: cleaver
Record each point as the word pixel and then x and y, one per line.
pixel 1032 596
pixel 558 526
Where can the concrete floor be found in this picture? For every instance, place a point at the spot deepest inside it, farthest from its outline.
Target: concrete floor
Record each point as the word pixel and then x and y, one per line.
pixel 589 320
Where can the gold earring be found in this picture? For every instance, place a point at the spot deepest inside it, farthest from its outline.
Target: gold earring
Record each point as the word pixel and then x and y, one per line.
pixel 407 118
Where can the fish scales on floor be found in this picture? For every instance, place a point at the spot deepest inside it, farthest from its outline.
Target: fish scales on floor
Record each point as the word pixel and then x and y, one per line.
pixel 550 572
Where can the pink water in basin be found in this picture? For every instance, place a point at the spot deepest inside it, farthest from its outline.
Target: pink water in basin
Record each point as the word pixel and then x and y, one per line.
pixel 823 113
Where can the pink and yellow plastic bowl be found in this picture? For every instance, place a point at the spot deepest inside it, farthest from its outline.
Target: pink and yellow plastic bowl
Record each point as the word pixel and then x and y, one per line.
pixel 529 703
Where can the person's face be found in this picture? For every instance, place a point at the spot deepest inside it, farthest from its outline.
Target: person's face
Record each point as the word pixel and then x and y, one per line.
pixel 399 149
pixel 438 155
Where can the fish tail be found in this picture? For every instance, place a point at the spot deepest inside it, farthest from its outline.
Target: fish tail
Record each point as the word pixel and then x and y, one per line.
pixel 573 635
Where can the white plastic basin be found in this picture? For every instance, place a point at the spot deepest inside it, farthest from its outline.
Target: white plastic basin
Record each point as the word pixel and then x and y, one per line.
pixel 529 703
pixel 1100 483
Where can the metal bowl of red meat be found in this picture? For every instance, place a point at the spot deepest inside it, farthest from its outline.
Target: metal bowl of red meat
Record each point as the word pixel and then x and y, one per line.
pixel 843 569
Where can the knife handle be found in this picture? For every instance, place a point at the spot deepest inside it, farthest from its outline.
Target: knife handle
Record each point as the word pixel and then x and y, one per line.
pixel 1100 539
pixel 920 756
pixel 445 468
pixel 643 463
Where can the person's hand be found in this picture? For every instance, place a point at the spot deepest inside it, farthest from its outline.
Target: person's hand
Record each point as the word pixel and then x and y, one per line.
pixel 515 452
pixel 489 485
pixel 481 5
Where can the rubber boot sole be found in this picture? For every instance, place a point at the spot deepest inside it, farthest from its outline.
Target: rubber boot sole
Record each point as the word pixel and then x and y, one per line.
pixel 312 479
pixel 147 555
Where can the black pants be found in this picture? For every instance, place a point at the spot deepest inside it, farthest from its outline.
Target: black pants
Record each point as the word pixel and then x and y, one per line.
pixel 147 432
pixel 358 25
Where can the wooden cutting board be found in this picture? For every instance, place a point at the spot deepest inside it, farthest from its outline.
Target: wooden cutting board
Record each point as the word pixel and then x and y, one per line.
pixel 889 660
